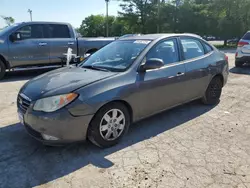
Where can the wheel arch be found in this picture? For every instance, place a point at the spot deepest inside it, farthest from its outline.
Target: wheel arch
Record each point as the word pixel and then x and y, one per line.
pixel 6 63
pixel 123 102
pixel 219 76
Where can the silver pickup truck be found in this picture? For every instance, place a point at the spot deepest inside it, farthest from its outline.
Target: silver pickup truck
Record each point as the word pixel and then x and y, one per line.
pixel 42 43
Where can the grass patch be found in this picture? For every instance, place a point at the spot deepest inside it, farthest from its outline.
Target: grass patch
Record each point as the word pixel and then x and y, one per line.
pixel 221 46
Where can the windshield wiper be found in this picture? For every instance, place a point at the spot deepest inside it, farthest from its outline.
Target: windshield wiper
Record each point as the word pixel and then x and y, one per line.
pixel 96 68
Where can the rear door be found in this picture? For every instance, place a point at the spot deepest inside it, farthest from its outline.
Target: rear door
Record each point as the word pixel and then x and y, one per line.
pixel 197 59
pixel 60 40
pixel 32 48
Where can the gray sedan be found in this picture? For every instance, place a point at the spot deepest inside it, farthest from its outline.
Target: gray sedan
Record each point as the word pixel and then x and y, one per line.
pixel 127 80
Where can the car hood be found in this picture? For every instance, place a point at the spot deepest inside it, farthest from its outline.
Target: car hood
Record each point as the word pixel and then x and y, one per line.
pixel 61 81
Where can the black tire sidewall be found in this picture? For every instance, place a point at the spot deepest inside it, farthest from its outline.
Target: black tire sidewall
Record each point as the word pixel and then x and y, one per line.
pixel 238 64
pixel 94 133
pixel 207 99
pixel 3 70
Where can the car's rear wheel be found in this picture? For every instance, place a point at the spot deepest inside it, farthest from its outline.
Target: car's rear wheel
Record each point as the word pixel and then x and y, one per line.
pixel 213 92
pixel 109 125
pixel 2 70
pixel 239 63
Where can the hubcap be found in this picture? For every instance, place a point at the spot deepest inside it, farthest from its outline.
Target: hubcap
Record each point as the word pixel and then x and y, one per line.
pixel 112 124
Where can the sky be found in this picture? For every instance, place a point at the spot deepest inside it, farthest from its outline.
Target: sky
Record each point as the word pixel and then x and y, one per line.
pixel 71 11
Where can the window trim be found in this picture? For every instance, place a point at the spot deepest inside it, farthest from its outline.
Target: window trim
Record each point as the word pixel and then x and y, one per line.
pixel 161 41
pixel 26 26
pixel 51 36
pixel 182 49
pixel 183 62
pixel 206 43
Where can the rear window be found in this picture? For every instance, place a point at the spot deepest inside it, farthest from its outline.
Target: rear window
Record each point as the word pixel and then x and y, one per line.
pixel 246 36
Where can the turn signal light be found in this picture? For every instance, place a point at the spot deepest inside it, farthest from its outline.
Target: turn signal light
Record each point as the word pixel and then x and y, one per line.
pixel 226 57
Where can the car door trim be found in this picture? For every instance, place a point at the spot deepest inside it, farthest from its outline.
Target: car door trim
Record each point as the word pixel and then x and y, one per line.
pixel 182 62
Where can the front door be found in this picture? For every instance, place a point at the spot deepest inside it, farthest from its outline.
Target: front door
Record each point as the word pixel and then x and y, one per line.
pixel 162 88
pixel 31 48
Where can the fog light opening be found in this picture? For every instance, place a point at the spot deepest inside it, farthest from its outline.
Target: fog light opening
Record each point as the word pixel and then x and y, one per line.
pixel 48 137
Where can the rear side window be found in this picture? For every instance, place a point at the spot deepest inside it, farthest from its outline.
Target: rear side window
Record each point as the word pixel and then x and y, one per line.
pixel 192 48
pixel 207 47
pixel 246 36
pixel 59 31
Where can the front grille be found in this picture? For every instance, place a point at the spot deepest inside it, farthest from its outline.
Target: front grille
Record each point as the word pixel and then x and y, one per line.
pixel 23 103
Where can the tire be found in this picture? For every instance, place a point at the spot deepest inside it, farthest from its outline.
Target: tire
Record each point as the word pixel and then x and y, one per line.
pixel 238 64
pixel 213 92
pixel 105 134
pixel 2 70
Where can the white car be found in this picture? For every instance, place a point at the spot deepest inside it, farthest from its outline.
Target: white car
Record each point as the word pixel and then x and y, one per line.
pixel 242 54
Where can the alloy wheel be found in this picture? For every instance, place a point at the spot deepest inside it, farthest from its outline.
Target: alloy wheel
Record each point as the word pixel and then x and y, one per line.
pixel 112 124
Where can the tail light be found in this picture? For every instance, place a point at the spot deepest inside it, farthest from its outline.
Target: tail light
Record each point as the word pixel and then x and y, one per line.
pixel 226 57
pixel 242 43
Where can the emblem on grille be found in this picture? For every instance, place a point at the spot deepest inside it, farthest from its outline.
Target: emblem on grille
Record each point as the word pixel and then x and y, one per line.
pixel 20 101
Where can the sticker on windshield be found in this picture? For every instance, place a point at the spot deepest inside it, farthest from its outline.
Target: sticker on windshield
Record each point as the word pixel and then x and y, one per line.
pixel 142 41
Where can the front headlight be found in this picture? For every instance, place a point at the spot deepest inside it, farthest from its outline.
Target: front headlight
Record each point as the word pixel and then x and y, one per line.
pixel 54 103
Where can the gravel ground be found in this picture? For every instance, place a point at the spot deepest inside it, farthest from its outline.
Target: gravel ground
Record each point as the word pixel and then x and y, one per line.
pixel 190 146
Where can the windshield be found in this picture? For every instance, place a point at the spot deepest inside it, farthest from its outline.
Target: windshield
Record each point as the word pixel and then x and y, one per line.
pixel 117 56
pixel 7 29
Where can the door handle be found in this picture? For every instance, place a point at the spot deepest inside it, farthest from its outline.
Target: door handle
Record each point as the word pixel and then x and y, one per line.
pixel 42 44
pixel 70 43
pixel 180 74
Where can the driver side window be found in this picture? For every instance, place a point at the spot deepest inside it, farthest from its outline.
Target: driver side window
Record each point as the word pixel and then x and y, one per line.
pixel 166 51
pixel 30 32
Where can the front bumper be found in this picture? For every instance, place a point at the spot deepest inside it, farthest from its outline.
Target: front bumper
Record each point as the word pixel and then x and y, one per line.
pixel 60 124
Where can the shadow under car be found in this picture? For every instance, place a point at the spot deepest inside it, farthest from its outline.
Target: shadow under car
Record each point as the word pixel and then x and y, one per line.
pixel 25 162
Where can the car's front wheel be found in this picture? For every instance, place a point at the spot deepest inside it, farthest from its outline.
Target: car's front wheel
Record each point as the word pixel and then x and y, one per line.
pixel 109 125
pixel 213 92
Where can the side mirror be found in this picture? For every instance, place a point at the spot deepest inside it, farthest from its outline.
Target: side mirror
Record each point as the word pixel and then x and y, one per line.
pixel 15 36
pixel 153 63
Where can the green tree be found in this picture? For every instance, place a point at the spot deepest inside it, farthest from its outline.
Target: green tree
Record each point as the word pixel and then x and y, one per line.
pixel 93 26
pixel 8 20
pixel 221 18
pixel 137 14
pixel 233 17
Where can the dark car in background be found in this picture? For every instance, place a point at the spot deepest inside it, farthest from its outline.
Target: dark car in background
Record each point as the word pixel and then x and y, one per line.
pixel 125 81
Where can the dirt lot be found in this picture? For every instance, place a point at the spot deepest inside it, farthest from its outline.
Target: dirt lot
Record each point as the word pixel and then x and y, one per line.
pixel 189 146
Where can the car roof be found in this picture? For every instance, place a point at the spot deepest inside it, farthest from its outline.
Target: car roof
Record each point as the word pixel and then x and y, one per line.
pixel 160 35
pixel 44 22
